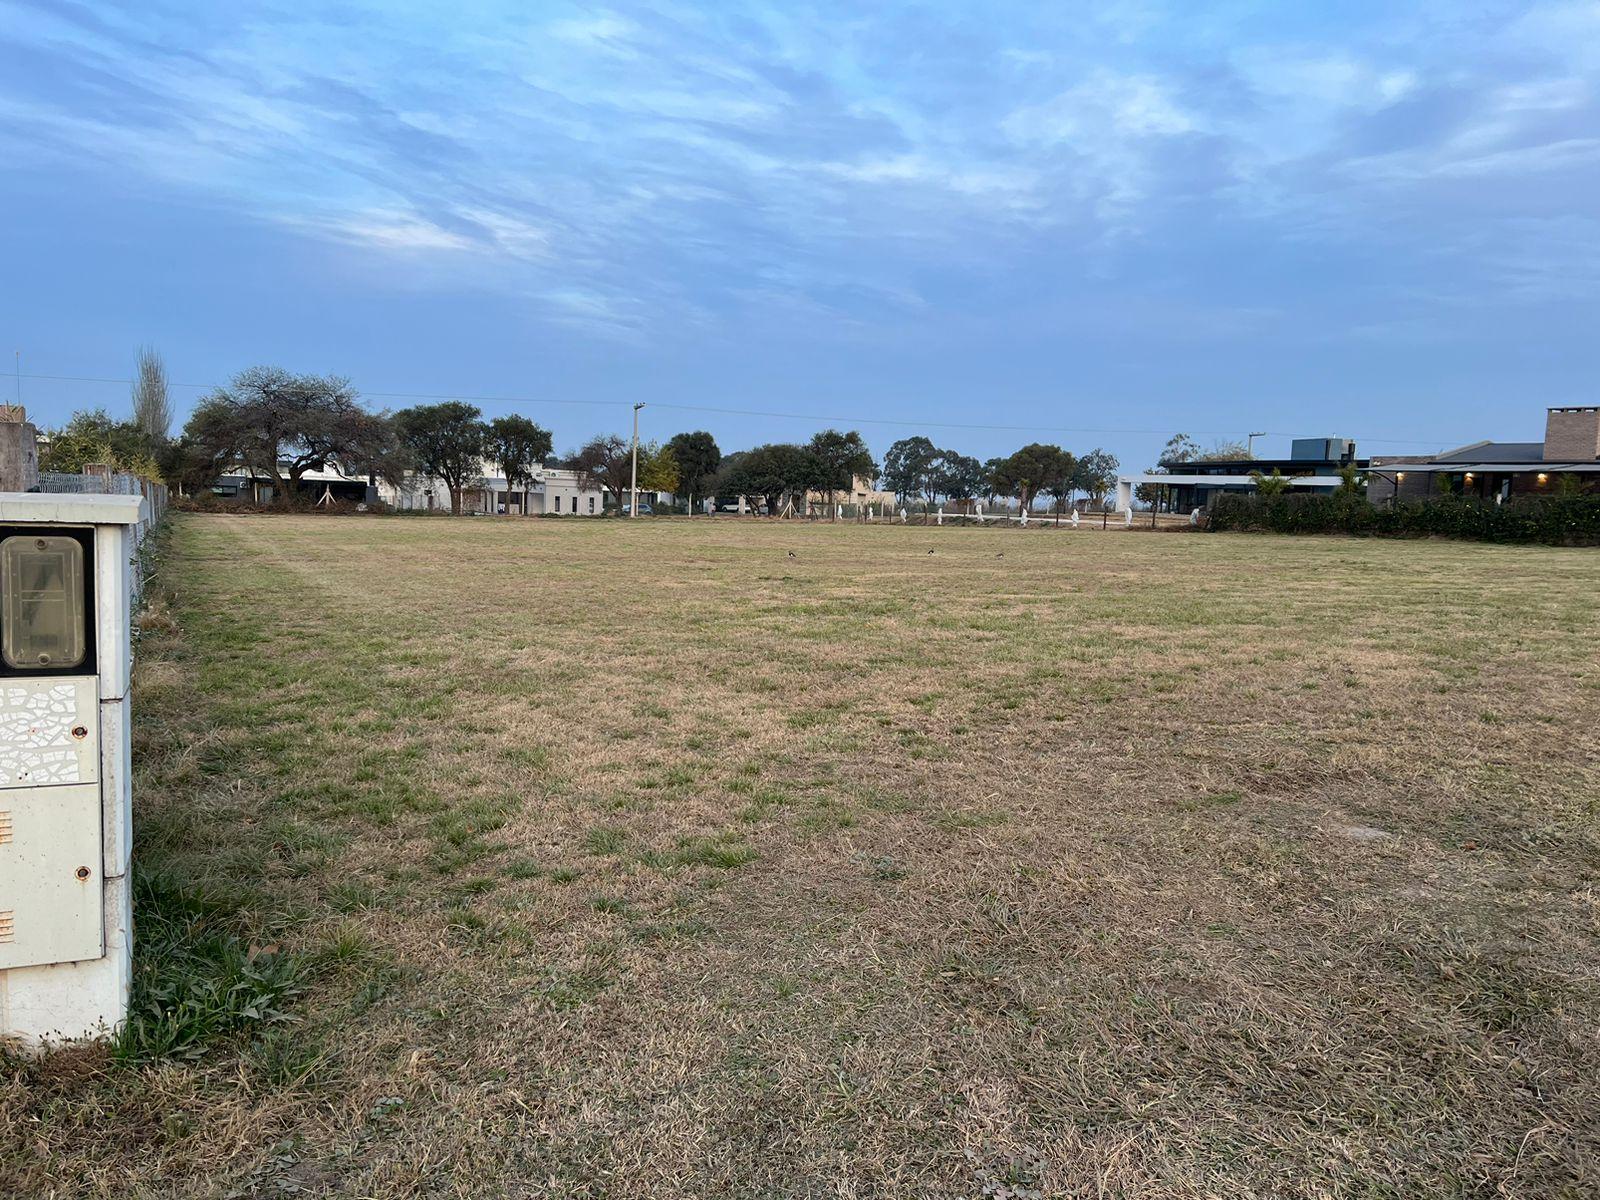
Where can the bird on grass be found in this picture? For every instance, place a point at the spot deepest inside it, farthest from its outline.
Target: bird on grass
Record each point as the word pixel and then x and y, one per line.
pixel 792 554
pixel 1002 554
pixel 930 550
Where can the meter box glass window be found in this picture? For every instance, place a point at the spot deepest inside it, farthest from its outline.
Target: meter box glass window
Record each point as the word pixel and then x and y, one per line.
pixel 47 613
pixel 45 621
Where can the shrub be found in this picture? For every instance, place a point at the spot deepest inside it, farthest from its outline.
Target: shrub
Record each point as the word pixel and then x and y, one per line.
pixel 194 979
pixel 1561 520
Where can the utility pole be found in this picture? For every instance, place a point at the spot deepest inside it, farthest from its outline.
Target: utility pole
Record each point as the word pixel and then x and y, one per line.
pixel 633 475
pixel 1251 452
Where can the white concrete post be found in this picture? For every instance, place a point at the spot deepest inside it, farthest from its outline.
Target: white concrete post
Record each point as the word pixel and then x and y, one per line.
pixel 65 799
pixel 939 520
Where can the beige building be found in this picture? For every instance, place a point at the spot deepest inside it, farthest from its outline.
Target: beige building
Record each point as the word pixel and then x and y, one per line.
pixel 861 491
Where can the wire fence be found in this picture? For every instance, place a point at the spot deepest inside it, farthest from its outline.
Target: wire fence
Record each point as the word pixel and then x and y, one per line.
pixel 106 482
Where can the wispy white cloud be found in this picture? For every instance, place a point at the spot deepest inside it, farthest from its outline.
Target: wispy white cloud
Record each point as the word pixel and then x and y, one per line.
pixel 617 164
pixel 387 230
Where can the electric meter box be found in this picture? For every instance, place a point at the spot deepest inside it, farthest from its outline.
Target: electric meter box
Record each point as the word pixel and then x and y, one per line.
pixel 66 593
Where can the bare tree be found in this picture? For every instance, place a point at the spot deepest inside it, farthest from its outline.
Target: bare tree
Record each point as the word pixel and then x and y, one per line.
pixel 151 410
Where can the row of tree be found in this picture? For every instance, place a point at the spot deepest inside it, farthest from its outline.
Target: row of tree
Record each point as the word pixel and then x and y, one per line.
pixel 917 470
pixel 788 472
pixel 282 426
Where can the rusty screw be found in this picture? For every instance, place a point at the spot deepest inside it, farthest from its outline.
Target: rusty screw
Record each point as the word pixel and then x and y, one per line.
pixel 80 732
pixel 82 872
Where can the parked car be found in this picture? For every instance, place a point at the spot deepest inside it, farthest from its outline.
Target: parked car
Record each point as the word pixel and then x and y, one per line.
pixel 644 510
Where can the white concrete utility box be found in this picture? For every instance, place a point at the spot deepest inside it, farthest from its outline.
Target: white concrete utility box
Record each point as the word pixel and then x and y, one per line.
pixel 66 596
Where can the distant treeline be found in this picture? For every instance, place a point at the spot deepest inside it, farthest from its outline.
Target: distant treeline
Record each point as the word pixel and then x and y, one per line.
pixel 282 426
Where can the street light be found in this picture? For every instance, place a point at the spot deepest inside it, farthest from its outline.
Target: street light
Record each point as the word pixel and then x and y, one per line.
pixel 1250 444
pixel 633 473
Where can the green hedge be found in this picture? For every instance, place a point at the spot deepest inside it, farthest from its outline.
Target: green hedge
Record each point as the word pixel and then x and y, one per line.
pixel 1553 520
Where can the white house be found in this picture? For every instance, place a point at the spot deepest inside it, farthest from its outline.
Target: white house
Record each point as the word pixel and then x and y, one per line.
pixel 554 490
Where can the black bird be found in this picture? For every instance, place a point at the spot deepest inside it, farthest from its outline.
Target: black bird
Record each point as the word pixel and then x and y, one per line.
pixel 1002 554
pixel 930 551
pixel 792 554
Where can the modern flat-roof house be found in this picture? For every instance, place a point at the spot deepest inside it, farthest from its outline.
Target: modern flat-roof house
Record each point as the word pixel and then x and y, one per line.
pixel 327 483
pixel 1313 465
pixel 1499 470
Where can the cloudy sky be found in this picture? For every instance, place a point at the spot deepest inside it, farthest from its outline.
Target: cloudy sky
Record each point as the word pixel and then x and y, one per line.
pixel 1094 223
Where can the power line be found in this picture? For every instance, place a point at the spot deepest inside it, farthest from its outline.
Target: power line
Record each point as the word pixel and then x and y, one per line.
pixel 757 412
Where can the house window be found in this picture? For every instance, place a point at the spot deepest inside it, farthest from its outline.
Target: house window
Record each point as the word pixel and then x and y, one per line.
pixel 558 503
pixel 591 505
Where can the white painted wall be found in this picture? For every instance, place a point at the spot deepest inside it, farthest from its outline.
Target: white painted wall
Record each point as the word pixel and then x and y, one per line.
pixel 556 492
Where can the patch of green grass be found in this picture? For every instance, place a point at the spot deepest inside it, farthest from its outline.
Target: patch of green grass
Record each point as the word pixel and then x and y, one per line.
pixel 723 852
pixel 530 758
pixel 605 839
pixel 196 977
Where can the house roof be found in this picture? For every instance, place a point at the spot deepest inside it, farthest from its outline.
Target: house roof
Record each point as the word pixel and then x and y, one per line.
pixel 1229 466
pixel 1494 452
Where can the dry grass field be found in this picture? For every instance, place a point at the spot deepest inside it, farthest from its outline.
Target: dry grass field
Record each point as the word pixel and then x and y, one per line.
pixel 595 859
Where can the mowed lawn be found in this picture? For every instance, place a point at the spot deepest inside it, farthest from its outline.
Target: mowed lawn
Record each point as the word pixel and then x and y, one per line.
pixel 720 858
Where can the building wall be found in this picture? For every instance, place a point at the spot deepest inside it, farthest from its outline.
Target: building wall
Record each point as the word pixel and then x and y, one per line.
pixel 1572 434
pixel 1424 485
pixel 1382 487
pixel 561 492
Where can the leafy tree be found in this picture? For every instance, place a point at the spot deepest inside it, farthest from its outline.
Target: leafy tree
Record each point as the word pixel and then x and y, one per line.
pixel 1180 448
pixel 282 425
pixel 838 459
pixel 152 412
pixel 958 476
pixel 1061 479
pixel 993 471
pixel 1222 451
pixel 909 467
pixel 606 462
pixel 519 446
pixel 698 460
pixel 93 437
pixel 1035 467
pixel 658 468
pixel 447 441
pixel 771 471
pixel 1096 475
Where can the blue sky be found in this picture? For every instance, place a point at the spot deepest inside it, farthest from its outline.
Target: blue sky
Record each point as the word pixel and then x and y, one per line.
pixel 1375 220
